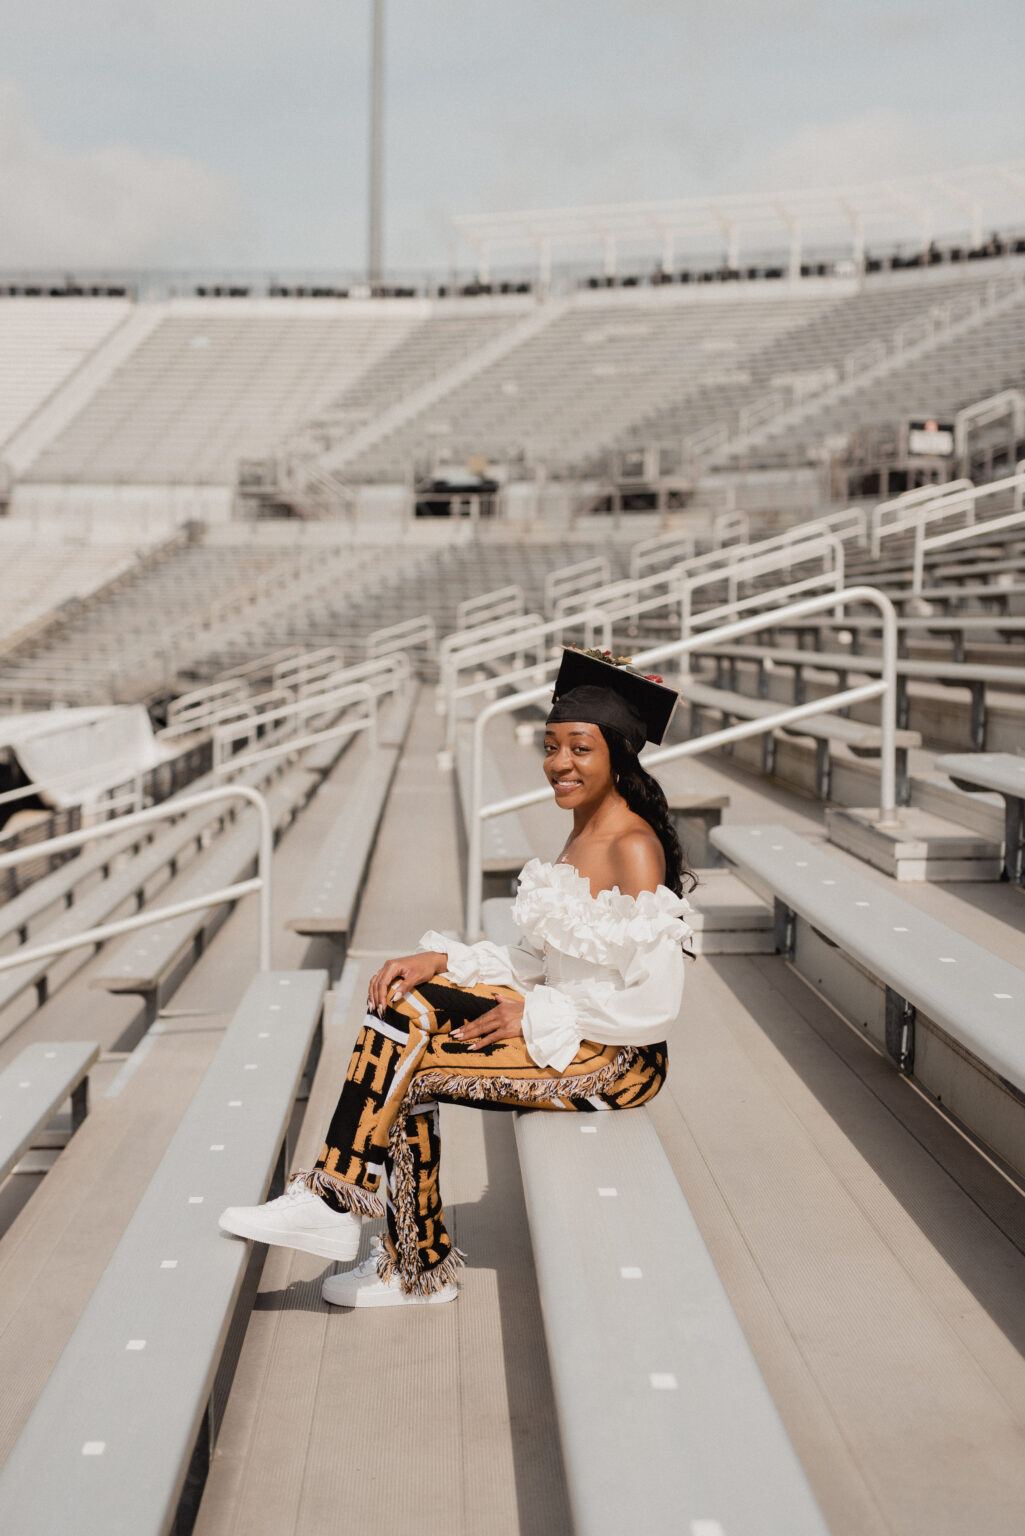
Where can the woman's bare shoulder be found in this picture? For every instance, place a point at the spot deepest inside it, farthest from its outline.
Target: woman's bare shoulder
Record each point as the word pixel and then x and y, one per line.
pixel 638 862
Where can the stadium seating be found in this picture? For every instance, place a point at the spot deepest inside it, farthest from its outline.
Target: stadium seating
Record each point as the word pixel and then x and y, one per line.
pixel 567 391
pixel 213 384
pixel 823 1203
pixel 33 1088
pixel 564 385
pixel 41 344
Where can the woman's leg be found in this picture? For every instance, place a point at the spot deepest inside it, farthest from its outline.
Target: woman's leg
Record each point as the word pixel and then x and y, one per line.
pixel 502 1076
pixel 320 1210
pixel 389 1052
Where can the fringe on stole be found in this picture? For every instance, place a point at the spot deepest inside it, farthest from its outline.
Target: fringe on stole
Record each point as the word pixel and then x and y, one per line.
pixel 427 1280
pixel 361 1202
pixel 404 1257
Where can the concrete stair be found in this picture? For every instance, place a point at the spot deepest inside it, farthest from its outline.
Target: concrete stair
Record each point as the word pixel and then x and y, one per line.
pixel 728 918
pixel 916 845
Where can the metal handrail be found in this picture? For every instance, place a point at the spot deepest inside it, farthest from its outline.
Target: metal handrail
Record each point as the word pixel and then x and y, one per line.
pixel 729 524
pixel 791 539
pixel 259 665
pixel 882 526
pixel 293 671
pixel 885 690
pixel 210 696
pixel 261 881
pixel 394 662
pixel 648 551
pixel 975 530
pixel 574 577
pixel 595 623
pixel 224 714
pixel 490 629
pixel 763 565
pixel 501 602
pixel 314 704
pixel 395 637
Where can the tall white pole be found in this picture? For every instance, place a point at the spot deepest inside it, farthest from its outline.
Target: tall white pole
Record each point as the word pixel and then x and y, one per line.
pixel 376 167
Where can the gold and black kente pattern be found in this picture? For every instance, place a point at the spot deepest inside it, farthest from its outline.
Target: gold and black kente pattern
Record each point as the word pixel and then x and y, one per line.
pixel 386 1122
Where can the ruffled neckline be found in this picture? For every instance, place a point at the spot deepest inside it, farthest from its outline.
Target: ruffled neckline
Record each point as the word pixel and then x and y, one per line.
pixel 554 905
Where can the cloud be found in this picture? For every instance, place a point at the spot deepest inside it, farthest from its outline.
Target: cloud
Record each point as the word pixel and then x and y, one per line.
pixel 113 206
pixel 870 146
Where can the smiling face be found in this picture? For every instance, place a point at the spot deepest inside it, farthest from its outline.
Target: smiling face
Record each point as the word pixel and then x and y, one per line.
pixel 577 763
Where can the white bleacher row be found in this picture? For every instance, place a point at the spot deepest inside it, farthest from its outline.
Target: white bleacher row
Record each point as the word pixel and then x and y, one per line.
pixel 210 386
pixel 570 389
pixel 41 344
pixel 954 373
pixel 181 624
pixel 160 625
pixel 206 389
pixel 33 583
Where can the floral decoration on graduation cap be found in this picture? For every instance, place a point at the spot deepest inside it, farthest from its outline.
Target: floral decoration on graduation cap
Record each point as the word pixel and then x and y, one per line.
pixel 602 689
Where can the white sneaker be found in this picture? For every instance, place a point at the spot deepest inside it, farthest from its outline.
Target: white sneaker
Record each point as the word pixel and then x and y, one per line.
pixel 363 1287
pixel 297 1219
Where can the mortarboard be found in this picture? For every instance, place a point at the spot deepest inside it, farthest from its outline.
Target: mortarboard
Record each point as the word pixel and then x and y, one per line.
pixel 602 690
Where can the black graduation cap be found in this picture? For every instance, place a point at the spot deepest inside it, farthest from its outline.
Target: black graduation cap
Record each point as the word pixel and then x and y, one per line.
pixel 595 689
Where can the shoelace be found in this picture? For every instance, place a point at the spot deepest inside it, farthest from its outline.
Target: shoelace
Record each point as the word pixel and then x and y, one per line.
pixel 295 1188
pixel 368 1267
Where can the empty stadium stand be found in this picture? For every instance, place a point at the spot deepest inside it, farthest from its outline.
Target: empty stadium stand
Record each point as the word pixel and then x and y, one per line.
pixel 41 345
pixel 216 381
pixel 319 403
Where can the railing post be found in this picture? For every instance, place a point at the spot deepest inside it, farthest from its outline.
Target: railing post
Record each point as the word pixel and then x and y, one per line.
pixel 263 866
pixel 888 713
pixel 918 559
pixel 475 834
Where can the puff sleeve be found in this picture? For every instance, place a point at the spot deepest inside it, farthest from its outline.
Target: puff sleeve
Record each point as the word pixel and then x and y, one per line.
pixel 634 1009
pixel 503 965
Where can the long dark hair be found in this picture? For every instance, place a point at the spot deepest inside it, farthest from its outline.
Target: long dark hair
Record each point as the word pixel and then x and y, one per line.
pixel 645 797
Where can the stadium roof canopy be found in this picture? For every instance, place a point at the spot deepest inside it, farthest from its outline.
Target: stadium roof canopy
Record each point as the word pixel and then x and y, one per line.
pixel 916 209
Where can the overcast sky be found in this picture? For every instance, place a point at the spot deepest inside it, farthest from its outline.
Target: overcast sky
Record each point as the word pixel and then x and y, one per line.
pixel 233 132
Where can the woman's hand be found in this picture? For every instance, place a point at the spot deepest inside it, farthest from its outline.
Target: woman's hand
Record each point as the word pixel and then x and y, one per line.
pixel 399 976
pixel 503 1022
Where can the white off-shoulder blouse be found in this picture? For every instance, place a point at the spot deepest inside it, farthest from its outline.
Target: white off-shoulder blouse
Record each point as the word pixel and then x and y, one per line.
pixel 607 968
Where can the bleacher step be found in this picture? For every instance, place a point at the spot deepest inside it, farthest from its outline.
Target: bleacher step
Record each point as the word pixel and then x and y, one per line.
pixel 932 791
pixel 728 918
pixel 917 846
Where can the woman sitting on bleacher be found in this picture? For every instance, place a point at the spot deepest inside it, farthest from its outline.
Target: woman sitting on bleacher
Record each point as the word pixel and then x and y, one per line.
pixel 572 1018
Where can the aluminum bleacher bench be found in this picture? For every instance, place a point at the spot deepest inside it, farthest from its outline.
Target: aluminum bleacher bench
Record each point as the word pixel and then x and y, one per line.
pixel 951 674
pixel 1000 595
pixel 650 1366
pixel 1005 774
pixel 825 729
pixel 966 992
pixel 959 630
pixel 34 1087
pixel 108 1446
pixel 329 901
pixel 152 960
